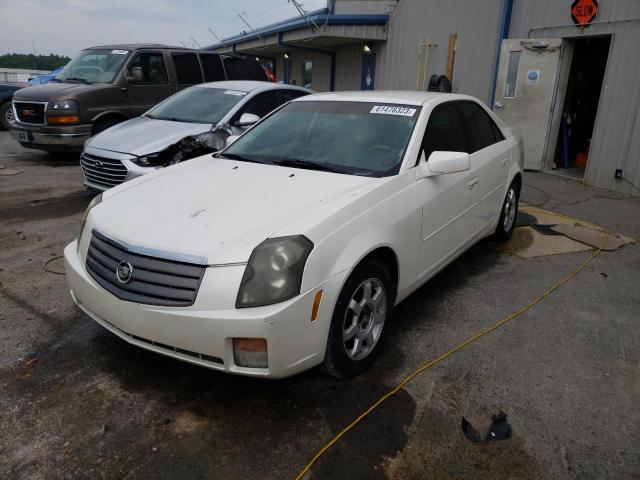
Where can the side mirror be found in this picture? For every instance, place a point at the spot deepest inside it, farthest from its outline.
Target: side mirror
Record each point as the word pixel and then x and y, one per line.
pixel 248 119
pixel 231 139
pixel 135 75
pixel 441 163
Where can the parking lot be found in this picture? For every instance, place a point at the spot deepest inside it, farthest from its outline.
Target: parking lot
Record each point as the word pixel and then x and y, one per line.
pixel 77 402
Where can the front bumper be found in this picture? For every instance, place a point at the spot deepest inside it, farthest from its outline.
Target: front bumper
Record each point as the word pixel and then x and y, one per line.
pixel 68 138
pixel 100 181
pixel 202 333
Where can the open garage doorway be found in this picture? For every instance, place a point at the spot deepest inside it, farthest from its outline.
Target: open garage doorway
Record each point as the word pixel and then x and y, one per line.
pixel 588 61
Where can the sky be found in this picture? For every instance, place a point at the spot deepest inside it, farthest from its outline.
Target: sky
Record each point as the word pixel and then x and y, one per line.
pixel 68 26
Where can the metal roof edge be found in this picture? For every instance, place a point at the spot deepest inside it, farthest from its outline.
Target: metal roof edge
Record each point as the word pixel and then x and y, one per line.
pixel 322 16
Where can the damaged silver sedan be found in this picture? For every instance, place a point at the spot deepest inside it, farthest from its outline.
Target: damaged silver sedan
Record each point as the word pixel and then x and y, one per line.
pixel 188 124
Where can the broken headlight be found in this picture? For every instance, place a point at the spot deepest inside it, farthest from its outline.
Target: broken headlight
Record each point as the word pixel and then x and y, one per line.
pixel 274 271
pixel 151 160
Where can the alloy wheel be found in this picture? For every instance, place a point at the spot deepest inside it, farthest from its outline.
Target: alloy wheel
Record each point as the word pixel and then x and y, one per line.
pixel 364 319
pixel 510 207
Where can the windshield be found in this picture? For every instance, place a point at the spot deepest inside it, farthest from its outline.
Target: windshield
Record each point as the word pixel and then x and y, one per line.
pixel 93 66
pixel 197 105
pixel 356 138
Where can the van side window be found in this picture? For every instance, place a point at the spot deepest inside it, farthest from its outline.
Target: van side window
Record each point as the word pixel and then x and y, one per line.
pixel 212 67
pixel 154 71
pixel 187 68
pixel 243 69
pixel 479 126
pixel 444 132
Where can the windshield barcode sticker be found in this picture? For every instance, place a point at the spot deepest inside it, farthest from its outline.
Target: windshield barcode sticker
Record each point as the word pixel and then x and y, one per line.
pixel 119 52
pixel 389 110
pixel 235 92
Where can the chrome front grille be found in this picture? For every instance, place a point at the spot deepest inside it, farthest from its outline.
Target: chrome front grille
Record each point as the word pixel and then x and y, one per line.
pixel 152 280
pixel 101 171
pixel 30 113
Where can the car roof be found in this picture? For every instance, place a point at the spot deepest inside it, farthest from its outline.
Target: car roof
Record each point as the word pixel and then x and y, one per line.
pixel 251 85
pixel 403 97
pixel 136 46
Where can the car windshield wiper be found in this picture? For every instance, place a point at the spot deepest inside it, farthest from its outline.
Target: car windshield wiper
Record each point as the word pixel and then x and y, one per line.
pixel 57 80
pixel 235 156
pixel 77 79
pixel 292 162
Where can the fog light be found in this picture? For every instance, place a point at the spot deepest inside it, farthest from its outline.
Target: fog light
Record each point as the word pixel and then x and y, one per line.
pixel 250 352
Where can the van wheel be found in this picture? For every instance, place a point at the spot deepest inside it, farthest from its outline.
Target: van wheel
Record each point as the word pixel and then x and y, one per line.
pixel 508 214
pixel 102 125
pixel 363 308
pixel 6 115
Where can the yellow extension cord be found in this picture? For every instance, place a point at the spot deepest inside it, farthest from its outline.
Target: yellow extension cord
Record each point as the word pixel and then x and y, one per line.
pixel 447 354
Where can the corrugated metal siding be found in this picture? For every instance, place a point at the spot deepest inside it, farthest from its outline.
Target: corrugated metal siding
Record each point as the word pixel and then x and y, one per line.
pixel 348 67
pixel 359 7
pixel 477 24
pixel 616 138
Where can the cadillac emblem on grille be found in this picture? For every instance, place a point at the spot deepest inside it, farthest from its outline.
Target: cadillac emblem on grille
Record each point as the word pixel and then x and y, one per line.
pixel 98 164
pixel 124 272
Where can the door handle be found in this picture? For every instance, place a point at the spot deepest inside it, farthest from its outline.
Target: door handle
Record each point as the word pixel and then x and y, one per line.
pixel 498 105
pixel 473 183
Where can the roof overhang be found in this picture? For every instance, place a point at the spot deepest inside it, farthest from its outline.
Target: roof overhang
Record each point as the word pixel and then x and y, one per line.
pixel 321 30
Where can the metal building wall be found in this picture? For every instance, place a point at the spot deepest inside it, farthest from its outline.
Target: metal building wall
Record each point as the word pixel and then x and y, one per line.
pixel 321 68
pixel 348 67
pixel 616 139
pixel 477 24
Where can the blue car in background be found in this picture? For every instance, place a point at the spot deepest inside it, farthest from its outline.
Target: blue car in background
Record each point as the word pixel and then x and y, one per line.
pixel 40 79
pixel 6 95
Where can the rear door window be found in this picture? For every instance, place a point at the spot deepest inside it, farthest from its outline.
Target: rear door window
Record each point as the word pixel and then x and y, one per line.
pixel 444 132
pixel 480 128
pixel 187 68
pixel 212 67
pixel 291 94
pixel 243 69
pixel 261 104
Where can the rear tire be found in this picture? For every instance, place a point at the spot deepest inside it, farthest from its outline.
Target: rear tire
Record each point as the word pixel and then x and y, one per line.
pixel 6 114
pixel 363 309
pixel 508 213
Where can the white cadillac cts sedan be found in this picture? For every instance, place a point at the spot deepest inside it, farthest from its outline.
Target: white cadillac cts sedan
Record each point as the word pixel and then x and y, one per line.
pixel 290 249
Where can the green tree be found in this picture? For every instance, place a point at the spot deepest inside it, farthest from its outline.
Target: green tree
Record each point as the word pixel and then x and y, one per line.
pixel 28 60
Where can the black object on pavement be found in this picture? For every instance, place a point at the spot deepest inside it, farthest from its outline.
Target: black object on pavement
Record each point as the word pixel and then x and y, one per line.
pixel 498 430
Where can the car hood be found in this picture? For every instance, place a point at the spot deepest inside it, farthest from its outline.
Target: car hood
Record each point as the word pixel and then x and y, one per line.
pixel 54 91
pixel 143 135
pixel 220 209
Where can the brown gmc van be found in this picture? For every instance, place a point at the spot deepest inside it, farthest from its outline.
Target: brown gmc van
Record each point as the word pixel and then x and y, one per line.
pixel 106 85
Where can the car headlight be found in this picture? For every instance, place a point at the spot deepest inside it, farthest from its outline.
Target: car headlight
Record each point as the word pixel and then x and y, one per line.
pixel 63 105
pixel 151 160
pixel 95 201
pixel 274 271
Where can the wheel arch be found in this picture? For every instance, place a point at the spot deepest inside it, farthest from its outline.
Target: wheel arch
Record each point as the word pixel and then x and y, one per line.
pixel 109 114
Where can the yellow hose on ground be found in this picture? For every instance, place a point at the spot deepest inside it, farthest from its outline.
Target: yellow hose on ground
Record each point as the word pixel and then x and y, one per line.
pixel 444 356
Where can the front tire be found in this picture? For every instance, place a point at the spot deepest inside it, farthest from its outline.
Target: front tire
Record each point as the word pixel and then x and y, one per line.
pixel 102 125
pixel 508 213
pixel 6 115
pixel 363 309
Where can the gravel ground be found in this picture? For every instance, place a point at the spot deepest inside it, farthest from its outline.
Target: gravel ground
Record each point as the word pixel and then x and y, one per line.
pixel 76 402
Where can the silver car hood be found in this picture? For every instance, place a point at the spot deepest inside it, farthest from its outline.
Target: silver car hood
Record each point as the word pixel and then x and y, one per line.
pixel 142 135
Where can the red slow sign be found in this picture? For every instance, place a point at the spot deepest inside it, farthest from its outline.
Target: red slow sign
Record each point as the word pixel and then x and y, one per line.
pixel 584 11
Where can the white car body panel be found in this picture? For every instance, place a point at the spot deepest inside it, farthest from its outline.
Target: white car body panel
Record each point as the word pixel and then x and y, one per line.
pixel 222 209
